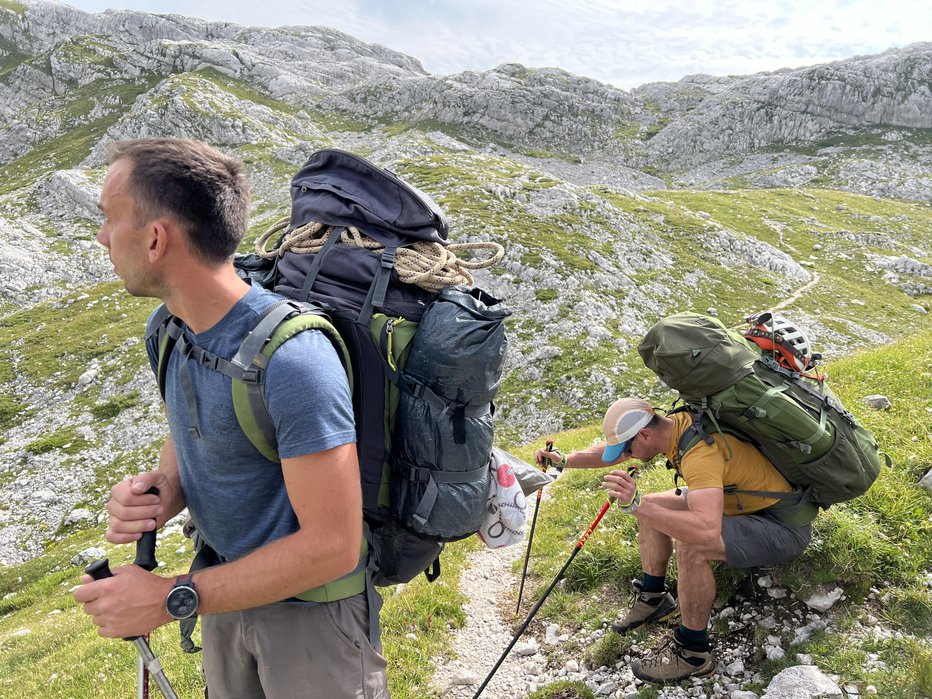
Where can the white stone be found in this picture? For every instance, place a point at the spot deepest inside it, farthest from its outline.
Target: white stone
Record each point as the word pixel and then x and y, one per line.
pixel 45 495
pixel 774 652
pixel 88 555
pixel 527 649
pixel 464 678
pixel 735 668
pixel 79 515
pixel 823 601
pixel 768 622
pixel 878 402
pixel 803 681
pixel 926 482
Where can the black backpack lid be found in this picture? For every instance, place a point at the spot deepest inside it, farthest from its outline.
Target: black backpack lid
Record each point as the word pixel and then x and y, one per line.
pixel 338 188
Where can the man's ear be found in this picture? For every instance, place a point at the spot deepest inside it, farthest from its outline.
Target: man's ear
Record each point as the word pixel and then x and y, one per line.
pixel 160 232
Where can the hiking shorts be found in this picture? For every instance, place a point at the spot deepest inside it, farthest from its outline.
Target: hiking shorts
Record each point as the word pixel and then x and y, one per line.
pixel 292 651
pixel 760 539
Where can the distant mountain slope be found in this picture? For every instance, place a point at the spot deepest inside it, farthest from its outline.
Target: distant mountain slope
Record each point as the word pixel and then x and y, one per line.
pixel 615 208
pixel 816 125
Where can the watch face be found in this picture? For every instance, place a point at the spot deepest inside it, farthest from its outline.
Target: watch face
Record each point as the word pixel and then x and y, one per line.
pixel 182 602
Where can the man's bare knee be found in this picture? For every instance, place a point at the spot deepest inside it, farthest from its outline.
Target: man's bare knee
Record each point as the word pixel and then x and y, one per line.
pixel 693 554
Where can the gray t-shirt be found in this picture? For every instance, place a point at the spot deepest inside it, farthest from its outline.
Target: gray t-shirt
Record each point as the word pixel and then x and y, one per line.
pixel 236 496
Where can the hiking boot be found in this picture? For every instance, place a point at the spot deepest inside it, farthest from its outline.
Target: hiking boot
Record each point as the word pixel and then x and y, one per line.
pixel 674 663
pixel 647 607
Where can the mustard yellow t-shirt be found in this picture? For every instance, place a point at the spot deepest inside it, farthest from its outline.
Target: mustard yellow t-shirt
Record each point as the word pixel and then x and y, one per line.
pixel 712 466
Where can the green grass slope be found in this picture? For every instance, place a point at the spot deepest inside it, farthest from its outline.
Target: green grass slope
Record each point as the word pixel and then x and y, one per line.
pixel 876 544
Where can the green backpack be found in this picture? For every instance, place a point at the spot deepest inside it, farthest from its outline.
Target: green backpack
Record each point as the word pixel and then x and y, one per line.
pixel 797 422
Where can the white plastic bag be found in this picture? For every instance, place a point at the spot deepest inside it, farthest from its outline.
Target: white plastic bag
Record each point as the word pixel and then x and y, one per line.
pixel 506 508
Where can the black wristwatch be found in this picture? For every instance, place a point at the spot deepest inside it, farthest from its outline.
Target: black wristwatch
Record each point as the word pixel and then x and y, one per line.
pixel 182 600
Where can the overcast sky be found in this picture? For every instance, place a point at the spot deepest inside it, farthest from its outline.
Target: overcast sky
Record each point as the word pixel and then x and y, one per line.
pixel 622 42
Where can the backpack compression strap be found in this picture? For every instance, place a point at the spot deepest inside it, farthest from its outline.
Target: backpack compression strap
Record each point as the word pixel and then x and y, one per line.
pixel 375 298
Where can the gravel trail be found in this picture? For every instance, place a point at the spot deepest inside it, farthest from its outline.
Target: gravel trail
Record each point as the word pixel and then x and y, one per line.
pixel 480 642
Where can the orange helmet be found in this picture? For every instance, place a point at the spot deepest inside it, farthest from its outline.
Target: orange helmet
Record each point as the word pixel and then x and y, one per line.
pixel 780 338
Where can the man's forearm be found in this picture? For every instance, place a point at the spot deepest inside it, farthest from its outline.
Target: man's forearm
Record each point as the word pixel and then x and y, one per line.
pixel 684 525
pixel 281 569
pixel 591 457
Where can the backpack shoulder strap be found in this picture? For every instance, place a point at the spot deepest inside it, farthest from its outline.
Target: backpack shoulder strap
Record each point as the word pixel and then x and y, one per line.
pixel 692 435
pixel 162 333
pixel 697 432
pixel 279 323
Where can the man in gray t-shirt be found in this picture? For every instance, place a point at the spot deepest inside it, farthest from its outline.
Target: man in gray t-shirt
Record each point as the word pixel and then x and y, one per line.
pixel 174 213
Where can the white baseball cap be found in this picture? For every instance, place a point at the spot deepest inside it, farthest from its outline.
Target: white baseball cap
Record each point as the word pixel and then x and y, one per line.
pixel 623 420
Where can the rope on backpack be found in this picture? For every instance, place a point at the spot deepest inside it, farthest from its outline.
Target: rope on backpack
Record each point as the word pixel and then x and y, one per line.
pixel 431 266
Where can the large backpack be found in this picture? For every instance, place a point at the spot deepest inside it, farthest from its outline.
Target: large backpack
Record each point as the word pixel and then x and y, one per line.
pixel 429 391
pixel 728 385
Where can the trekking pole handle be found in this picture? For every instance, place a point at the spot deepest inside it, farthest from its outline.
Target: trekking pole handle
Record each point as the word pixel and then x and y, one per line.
pixel 145 557
pixel 545 465
pixel 100 570
pixel 145 546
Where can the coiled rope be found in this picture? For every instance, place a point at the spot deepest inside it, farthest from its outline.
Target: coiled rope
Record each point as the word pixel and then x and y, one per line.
pixel 429 265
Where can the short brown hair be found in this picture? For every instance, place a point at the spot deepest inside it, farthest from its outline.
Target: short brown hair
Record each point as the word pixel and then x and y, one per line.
pixel 205 190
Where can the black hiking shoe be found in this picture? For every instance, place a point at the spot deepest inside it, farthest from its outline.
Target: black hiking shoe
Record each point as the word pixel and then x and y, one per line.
pixel 674 663
pixel 647 607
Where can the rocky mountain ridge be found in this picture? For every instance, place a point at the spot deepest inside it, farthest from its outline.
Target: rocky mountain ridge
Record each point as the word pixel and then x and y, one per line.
pixel 672 128
pixel 805 189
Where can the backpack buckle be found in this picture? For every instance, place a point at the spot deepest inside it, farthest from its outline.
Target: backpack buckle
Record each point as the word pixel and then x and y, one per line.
pixel 208 360
pixel 252 375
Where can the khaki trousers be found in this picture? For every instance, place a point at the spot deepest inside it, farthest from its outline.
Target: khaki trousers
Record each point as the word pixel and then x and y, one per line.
pixel 292 651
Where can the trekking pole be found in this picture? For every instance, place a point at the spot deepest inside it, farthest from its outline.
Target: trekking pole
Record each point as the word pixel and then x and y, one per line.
pixel 147 663
pixel 541 601
pixel 530 539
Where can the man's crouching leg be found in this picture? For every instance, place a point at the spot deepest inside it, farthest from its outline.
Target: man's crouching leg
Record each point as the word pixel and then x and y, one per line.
pixel 688 653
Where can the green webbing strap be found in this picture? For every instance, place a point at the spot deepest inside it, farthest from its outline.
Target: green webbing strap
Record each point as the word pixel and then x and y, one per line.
pixel 780 495
pixel 759 409
pixel 805 445
pixel 718 429
pixel 821 397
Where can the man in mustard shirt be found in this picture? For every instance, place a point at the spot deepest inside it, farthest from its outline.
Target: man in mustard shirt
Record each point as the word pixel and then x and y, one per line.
pixel 703 522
